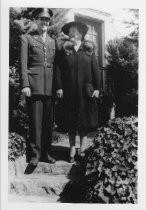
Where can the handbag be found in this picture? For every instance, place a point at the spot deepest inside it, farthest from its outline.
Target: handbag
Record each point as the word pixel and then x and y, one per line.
pixel 104 103
pixel 89 89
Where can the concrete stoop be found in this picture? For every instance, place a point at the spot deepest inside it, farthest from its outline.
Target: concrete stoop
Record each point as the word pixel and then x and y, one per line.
pixel 20 167
pixel 44 183
pixel 38 184
pixel 16 198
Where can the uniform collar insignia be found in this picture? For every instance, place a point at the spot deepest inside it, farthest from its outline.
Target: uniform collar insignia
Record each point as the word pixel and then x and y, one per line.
pixel 37 37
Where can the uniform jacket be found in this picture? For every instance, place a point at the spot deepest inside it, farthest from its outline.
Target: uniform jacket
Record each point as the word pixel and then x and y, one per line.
pixel 36 63
pixel 73 71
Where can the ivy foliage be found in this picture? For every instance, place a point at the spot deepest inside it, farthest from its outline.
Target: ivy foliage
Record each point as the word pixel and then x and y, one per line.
pixel 109 170
pixel 111 167
pixel 16 146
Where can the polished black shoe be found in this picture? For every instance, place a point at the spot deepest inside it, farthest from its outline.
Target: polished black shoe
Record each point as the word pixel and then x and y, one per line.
pixel 48 159
pixel 34 161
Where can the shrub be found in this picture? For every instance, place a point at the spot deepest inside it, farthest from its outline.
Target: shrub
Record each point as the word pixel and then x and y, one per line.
pixel 111 168
pixel 18 118
pixel 122 57
pixel 16 146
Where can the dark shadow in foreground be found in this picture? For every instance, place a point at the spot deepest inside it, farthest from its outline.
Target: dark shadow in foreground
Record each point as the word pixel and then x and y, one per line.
pixel 75 190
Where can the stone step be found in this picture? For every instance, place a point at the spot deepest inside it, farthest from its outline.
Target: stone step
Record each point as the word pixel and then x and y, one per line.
pixel 60 151
pixel 20 167
pixel 38 184
pixel 16 198
pixel 45 182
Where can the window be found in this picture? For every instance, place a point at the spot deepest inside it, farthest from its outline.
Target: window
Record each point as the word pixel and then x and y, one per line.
pixel 94 34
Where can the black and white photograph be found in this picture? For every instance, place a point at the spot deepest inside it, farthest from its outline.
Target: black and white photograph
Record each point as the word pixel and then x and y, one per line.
pixel 73 105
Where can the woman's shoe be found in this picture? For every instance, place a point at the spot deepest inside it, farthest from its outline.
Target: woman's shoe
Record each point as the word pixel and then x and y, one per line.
pixel 82 154
pixel 71 159
pixel 72 154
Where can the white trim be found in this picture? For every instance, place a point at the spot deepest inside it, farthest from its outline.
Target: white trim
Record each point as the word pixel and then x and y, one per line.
pixel 98 12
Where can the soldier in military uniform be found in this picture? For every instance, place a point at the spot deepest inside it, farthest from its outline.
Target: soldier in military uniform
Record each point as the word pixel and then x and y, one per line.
pixel 36 62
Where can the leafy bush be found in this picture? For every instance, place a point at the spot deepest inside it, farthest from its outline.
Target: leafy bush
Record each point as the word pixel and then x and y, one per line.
pixel 122 57
pixel 18 118
pixel 16 146
pixel 111 168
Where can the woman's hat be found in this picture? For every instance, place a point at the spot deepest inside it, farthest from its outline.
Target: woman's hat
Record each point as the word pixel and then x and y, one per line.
pixel 82 27
pixel 42 12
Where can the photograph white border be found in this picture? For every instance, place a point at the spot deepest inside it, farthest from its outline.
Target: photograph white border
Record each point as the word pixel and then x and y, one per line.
pixel 112 4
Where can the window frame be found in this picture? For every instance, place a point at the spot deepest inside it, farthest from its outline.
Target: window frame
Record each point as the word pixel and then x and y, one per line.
pixel 100 25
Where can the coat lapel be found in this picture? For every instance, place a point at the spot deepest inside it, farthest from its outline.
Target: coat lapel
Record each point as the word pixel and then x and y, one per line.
pixel 37 37
pixel 49 42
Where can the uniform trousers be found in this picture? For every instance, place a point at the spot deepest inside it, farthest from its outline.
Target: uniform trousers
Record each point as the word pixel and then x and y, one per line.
pixel 40 111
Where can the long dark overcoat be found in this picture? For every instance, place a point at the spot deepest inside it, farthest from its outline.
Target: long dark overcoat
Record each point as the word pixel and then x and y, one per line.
pixel 72 73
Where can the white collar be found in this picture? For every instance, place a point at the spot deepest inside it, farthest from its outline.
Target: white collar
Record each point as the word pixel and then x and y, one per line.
pixel 78 43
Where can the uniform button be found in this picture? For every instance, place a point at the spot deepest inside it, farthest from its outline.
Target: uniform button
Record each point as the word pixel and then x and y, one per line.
pixel 45 53
pixel 44 48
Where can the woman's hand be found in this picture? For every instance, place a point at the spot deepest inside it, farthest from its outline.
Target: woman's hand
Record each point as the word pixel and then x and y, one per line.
pixel 95 94
pixel 26 91
pixel 59 93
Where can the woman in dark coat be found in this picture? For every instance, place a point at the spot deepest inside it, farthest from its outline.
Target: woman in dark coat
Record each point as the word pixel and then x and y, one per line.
pixel 78 84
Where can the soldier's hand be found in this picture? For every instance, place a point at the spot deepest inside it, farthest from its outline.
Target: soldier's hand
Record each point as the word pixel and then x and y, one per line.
pixel 26 91
pixel 59 93
pixel 96 94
